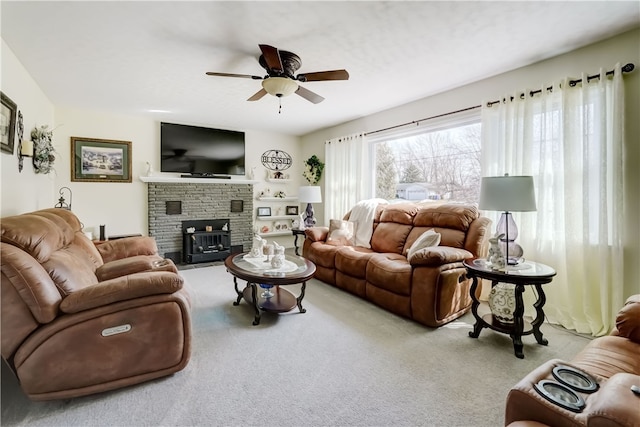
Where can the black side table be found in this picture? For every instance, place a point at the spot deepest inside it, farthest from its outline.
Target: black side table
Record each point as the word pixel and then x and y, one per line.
pixel 527 274
pixel 297 233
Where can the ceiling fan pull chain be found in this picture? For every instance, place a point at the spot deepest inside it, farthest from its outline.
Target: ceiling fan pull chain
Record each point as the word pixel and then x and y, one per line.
pixel 280 105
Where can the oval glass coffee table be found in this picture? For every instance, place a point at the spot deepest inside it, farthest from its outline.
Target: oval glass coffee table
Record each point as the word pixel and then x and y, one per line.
pixel 260 275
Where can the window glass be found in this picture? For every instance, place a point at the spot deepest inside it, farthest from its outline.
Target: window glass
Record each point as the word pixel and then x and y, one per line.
pixel 436 162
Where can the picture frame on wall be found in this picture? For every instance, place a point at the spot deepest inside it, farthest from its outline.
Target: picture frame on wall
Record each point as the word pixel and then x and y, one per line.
pixel 264 211
pixel 292 210
pixel 100 160
pixel 8 112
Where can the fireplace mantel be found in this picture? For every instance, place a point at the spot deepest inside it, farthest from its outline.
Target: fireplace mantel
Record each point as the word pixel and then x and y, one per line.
pixel 179 180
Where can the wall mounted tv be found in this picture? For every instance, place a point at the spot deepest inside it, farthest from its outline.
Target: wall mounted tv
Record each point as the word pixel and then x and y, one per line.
pixel 201 151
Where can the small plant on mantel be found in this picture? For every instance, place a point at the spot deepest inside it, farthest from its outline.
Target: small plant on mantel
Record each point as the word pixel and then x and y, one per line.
pixel 313 170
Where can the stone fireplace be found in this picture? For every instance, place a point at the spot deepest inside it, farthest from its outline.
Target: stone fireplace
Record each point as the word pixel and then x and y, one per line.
pixel 171 202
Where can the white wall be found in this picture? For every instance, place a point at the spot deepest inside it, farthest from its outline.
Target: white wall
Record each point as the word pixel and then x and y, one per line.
pixel 25 191
pixel 623 48
pixel 122 207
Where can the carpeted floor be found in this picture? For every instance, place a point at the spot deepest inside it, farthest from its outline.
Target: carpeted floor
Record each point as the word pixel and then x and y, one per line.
pixel 345 362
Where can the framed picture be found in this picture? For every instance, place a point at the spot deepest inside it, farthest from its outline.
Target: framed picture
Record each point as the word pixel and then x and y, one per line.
pixel 100 160
pixel 264 211
pixel 7 123
pixel 292 210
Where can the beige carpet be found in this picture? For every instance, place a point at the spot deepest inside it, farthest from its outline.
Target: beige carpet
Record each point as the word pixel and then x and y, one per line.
pixel 345 362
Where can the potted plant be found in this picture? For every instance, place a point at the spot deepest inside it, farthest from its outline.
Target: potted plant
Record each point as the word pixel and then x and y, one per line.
pixel 313 169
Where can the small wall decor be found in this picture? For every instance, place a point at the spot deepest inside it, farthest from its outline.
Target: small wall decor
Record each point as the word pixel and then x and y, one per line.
pixel 292 210
pixel 27 149
pixel 280 194
pixel 275 175
pixel 7 123
pixel 237 205
pixel 313 170
pixel 276 160
pixel 100 160
pixel 43 157
pixel 264 211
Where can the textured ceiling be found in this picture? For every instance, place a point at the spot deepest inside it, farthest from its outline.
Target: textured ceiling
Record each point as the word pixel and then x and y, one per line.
pixel 135 57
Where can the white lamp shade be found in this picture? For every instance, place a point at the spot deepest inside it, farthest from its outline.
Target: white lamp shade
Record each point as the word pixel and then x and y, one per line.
pixel 279 86
pixel 310 194
pixel 507 193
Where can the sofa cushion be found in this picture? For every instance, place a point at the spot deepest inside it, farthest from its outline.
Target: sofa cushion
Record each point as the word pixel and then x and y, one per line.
pixel 341 232
pixel 321 254
pixel 390 237
pixel 353 260
pixel 391 272
pixel 427 239
pixel 449 215
pixel 609 355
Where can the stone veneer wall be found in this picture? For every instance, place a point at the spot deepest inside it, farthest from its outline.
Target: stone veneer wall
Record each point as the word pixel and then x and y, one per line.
pixel 199 201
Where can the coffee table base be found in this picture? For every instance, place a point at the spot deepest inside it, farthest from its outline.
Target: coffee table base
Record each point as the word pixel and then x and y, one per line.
pixel 283 301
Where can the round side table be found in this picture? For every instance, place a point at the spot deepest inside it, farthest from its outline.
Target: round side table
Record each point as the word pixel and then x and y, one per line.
pixel 528 273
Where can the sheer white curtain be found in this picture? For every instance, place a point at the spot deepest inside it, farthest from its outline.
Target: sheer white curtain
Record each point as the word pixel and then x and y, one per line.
pixel 571 141
pixel 347 161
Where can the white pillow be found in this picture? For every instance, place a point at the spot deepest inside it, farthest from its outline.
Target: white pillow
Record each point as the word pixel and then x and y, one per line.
pixel 427 239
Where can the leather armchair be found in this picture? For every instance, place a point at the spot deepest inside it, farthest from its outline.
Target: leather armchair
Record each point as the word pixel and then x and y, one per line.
pixel 79 319
pixel 613 361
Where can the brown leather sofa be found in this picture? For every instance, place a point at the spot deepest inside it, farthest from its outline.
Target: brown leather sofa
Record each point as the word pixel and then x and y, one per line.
pixel 79 319
pixel 432 289
pixel 613 361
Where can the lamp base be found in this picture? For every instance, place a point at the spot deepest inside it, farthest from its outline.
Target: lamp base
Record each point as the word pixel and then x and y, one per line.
pixel 309 220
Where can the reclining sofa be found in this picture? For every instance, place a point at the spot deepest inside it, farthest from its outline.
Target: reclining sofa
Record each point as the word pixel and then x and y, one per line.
pixel 78 318
pixel 612 362
pixel 429 287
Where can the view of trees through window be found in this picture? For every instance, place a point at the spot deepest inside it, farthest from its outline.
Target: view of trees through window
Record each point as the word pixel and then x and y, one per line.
pixel 436 165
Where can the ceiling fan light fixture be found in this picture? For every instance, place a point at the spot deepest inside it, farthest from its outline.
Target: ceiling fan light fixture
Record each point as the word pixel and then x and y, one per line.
pixel 279 86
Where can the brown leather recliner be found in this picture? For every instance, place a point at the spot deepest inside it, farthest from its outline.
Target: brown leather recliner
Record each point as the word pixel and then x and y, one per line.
pixel 431 287
pixel 79 319
pixel 613 361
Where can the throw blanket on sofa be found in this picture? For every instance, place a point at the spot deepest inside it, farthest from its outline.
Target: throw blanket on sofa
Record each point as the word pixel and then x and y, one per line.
pixel 362 214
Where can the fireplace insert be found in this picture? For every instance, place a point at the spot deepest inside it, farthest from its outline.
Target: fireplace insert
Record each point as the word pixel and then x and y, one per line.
pixel 205 240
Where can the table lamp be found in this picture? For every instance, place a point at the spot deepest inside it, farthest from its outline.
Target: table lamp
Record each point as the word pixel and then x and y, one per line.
pixel 309 194
pixel 508 194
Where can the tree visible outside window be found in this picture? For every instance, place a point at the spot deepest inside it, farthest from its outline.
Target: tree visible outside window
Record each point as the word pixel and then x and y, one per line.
pixel 439 164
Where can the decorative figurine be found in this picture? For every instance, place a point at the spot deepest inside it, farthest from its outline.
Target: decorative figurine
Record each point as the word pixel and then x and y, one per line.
pixel 496 258
pixel 278 258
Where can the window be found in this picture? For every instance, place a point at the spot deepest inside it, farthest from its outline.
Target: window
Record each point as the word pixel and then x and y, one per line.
pixel 437 160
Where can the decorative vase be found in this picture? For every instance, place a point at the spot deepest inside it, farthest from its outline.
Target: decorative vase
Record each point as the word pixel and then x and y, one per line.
pixel 502 302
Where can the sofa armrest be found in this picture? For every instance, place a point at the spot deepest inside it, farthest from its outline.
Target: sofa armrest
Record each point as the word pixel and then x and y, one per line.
pixel 615 404
pixel 127 247
pixel 628 319
pixel 439 255
pixel 317 234
pixel 132 265
pixel 121 289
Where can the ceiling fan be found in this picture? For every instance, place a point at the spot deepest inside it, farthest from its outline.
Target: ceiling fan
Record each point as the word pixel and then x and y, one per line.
pixel 280 80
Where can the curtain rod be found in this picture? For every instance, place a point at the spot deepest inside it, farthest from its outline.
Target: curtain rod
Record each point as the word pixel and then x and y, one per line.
pixel 417 122
pixel 627 68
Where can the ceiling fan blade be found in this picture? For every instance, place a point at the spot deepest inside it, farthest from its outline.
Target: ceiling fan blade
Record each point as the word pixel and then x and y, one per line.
pixel 323 75
pixel 308 95
pixel 258 95
pixel 244 76
pixel 272 57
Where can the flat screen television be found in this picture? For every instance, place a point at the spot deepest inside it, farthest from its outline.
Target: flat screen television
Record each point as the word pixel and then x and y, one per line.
pixel 201 151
